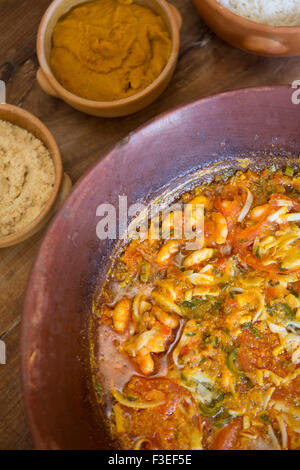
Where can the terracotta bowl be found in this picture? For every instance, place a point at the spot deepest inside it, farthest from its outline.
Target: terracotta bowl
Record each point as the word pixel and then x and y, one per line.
pixel 249 35
pixel 261 123
pixel 62 185
pixel 117 108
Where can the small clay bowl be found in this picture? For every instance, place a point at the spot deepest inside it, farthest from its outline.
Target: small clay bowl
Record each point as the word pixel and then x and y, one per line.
pixel 249 35
pixel 62 185
pixel 123 107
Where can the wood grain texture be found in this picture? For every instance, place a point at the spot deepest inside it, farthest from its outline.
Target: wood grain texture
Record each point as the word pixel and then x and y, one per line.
pixel 206 66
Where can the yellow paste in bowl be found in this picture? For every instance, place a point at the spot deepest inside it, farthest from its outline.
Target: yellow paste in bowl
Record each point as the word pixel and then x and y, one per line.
pixel 108 50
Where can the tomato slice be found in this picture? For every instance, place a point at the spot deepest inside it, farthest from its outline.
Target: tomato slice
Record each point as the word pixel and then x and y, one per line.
pixel 228 436
pixel 243 239
pixel 230 206
pixel 279 197
pixel 257 353
pixel 165 331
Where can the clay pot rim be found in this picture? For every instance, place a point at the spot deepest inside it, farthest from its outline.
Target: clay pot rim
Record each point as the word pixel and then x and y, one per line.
pixel 251 24
pixel 68 96
pixel 52 146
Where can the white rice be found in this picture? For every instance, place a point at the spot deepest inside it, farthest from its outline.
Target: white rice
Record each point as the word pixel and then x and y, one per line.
pixel 271 12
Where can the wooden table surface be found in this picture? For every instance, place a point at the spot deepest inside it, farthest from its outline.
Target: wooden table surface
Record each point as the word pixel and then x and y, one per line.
pixel 206 66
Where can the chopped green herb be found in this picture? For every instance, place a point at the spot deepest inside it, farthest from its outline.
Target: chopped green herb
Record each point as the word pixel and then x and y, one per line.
pixel 293 192
pixel 206 338
pixel 265 418
pixel 287 310
pixel 217 271
pixel 294 293
pixel 226 348
pixel 98 389
pixel 281 268
pixel 249 384
pixel 223 419
pixel 230 362
pixel 232 366
pixel 197 307
pixel 286 363
pixel 271 309
pixel 225 176
pixel 214 408
pixel 289 171
pixel 273 283
pixel 251 328
pixel 191 303
pixel 224 285
pixel 129 398
pixel 216 305
pixel 272 169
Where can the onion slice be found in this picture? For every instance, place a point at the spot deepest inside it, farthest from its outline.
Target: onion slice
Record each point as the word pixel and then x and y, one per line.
pixel 284 436
pixel 138 444
pixel 294 217
pixel 246 207
pixel 273 438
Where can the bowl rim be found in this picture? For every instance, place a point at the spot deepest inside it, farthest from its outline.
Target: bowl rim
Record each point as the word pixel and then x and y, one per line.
pixel 247 23
pixel 68 96
pixel 27 313
pixel 25 233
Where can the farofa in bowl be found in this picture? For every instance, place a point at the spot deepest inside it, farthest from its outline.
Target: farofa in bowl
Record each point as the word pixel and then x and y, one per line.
pixel 27 175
